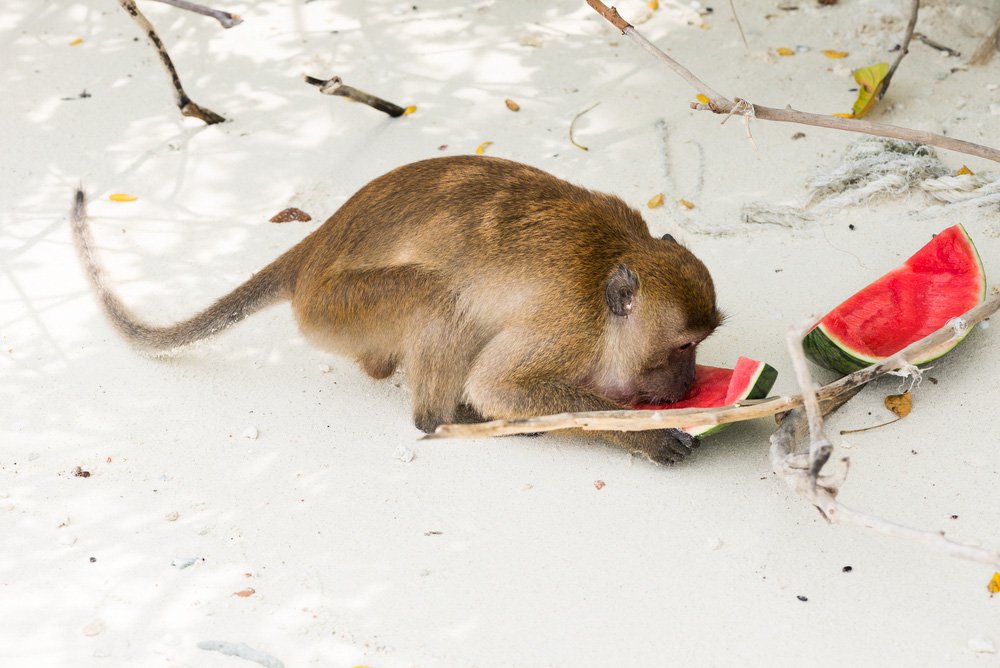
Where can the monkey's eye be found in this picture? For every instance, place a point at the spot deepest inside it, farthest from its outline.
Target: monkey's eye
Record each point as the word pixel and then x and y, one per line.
pixel 685 346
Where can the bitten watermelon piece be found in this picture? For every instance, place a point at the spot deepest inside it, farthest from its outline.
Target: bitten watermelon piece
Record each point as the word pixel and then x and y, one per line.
pixel 715 386
pixel 942 280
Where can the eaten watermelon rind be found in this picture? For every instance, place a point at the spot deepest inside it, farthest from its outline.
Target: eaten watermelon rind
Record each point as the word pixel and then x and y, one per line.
pixel 760 384
pixel 832 352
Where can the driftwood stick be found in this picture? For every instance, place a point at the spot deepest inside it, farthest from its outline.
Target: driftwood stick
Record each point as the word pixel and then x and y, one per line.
pixel 226 19
pixel 721 105
pixel 903 49
pixel 334 86
pixel 184 103
pixel 984 52
pixel 828 396
pixel 804 474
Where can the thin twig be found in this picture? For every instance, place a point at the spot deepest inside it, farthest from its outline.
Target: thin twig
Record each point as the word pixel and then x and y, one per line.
pixel 904 49
pixel 736 17
pixel 808 481
pixel 225 18
pixel 984 52
pixel 936 45
pixel 572 125
pixel 334 86
pixel 721 105
pixel 640 420
pixel 187 106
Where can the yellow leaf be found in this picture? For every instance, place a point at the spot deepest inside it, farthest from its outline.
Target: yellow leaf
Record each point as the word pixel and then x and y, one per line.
pixel 122 197
pixel 964 170
pixel 703 98
pixel 830 53
pixel 843 115
pixel 782 51
pixel 512 105
pixel 994 586
pixel 870 81
pixel 656 201
pixel 482 147
pixel 687 204
pixel 900 404
pixel 409 110
pixel 77 41
pixel 653 4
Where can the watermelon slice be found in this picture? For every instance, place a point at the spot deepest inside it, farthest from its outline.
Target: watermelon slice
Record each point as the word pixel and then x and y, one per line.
pixel 942 280
pixel 714 386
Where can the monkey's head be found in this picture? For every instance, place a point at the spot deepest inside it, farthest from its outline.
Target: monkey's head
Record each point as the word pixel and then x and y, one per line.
pixel 660 305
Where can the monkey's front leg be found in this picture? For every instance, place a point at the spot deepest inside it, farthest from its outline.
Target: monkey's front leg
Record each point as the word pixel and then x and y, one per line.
pixel 516 393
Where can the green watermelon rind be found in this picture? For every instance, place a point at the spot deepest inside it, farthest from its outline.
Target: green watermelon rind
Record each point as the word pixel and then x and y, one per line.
pixel 832 353
pixel 761 384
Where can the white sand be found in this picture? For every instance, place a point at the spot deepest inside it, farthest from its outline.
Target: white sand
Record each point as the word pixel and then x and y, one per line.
pixel 487 553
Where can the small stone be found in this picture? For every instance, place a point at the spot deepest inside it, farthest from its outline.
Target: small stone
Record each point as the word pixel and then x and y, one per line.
pixel 802 598
pixel 183 562
pixel 846 569
pixel 93 628
pixel 251 433
pixel 404 454
pixel 982 645
pixel 172 516
pixel 527 487
pixel 599 484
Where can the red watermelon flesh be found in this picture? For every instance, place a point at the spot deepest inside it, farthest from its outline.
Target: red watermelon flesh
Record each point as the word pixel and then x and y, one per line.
pixel 715 386
pixel 913 300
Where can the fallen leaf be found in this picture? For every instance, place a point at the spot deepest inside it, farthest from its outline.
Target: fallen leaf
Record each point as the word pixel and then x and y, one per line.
pixel 655 201
pixel 599 484
pixel 512 105
pixel 122 197
pixel 870 80
pixel 836 55
pixel 900 404
pixel 782 51
pixel 687 204
pixel 703 98
pixel 409 110
pixel 482 147
pixel 77 41
pixel 653 4
pixel 245 593
pixel 964 170
pixel 80 473
pixel 290 214
pixel 843 115
pixel 994 586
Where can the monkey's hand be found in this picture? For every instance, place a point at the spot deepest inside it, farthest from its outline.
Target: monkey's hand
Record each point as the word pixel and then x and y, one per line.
pixel 661 446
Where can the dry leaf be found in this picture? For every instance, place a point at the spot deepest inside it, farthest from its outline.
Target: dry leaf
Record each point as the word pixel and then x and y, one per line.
pixel 122 197
pixel 703 98
pixel 870 80
pixel 836 55
pixel 782 51
pixel 994 586
pixel 599 484
pixel 843 115
pixel 512 105
pixel 687 204
pixel 290 214
pixel 482 147
pixel 409 110
pixel 653 4
pixel 75 42
pixel 656 201
pixel 900 404
pixel 964 170
pixel 245 593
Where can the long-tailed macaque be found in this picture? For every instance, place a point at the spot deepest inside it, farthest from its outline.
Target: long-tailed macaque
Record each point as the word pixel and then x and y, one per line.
pixel 502 290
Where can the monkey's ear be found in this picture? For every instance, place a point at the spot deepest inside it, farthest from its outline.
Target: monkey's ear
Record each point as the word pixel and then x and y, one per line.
pixel 669 237
pixel 620 290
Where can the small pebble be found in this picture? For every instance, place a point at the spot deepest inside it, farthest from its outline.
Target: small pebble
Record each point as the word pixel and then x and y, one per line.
pixel 251 433
pixel 802 598
pixel 982 645
pixel 172 516
pixel 526 487
pixel 183 562
pixel 599 484
pixel 404 454
pixel 847 569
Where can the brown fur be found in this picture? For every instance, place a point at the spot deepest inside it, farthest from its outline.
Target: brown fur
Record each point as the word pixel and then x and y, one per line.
pixel 504 291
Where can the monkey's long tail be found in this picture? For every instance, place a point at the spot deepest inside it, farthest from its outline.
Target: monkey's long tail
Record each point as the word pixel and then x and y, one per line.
pixel 264 288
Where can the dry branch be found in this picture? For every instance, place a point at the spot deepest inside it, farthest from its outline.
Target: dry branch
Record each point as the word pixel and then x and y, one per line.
pixel 722 105
pixel 827 396
pixel 226 19
pixel 334 86
pixel 184 103
pixel 903 49
pixel 804 474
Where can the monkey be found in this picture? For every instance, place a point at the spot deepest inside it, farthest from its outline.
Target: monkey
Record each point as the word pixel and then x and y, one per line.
pixel 502 290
